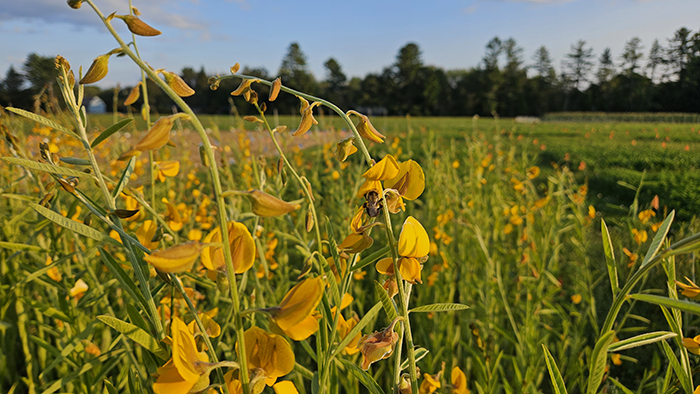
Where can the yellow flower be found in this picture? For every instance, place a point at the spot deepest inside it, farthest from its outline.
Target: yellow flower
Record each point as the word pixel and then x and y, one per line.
pixel 656 226
pixel 365 128
pixel 242 249
pixel 576 298
pixel 355 243
pixel 145 234
pixel 639 236
pixel 455 164
pixel 266 205
pixel 186 371
pixel 269 352
pixel 459 382
pixel 591 212
pixel 386 168
pixel 156 138
pixel 409 182
pixel 429 384
pixel 168 168
pixel 344 149
pixel 194 235
pixel 307 117
pixel 210 325
pixel 409 268
pixel 691 291
pixel 533 172
pixel 79 289
pixel 632 256
pixel 692 344
pixel 294 315
pixel 53 272
pixel 173 216
pixel 175 259
pixel 644 216
pixel 335 175
pixel 368 186
pixel 378 345
pixel 615 357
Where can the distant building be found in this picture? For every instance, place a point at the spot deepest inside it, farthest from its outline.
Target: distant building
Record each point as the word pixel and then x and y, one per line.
pixel 96 106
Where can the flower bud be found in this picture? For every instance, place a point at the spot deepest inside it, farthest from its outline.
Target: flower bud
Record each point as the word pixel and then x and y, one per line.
pixel 75 4
pixel 175 259
pixel 98 70
pixel 344 149
pixel 137 26
pixel 177 84
pixel 133 94
pixel 275 89
pixel 266 205
pixel 235 68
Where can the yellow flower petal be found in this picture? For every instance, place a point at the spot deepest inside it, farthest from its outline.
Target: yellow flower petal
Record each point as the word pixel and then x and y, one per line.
pixel 413 240
pixel 175 259
pixel 79 289
pixel 156 138
pixel 145 234
pixel 355 243
pixel 386 168
pixel 268 351
pixel 242 248
pixel 409 182
pixel 299 303
pixel 459 382
pixel 285 387
pixel 368 186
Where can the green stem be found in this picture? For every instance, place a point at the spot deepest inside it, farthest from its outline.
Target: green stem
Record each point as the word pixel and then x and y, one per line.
pixel 223 221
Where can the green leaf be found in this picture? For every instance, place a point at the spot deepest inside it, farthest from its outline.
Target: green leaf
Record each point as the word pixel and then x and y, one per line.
pixel 442 307
pixel 336 257
pixel 109 131
pixel 620 386
pixel 366 379
pixel 597 361
pixel 71 225
pixel 124 279
pixel 658 238
pixel 18 246
pixel 49 310
pixel 84 368
pixel 554 374
pixel 35 165
pixel 609 258
pixel 42 120
pixel 135 334
pixel 685 306
pixel 640 340
pixel 73 343
pixel 358 327
pixel 419 354
pixel 682 377
pixel 75 161
pixel 387 303
pixel 371 258
pixel 110 387
pixel 124 179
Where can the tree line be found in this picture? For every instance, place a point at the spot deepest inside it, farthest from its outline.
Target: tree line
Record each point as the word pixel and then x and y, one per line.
pixel 664 78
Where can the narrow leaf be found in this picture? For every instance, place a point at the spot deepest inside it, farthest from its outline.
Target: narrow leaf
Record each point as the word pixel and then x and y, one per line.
pixel 609 258
pixel 18 246
pixel 658 238
pixel 366 379
pixel 685 306
pixel 71 225
pixel 388 305
pixel 442 307
pixel 84 368
pixel 124 179
pixel 109 131
pixel 554 374
pixel 75 161
pixel 35 165
pixel 419 354
pixel 640 340
pixel 124 279
pixel 371 258
pixel 597 362
pixel 135 334
pixel 620 386
pixel 682 377
pixel 42 120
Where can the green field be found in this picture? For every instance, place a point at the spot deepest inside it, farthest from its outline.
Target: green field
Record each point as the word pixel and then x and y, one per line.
pixel 512 215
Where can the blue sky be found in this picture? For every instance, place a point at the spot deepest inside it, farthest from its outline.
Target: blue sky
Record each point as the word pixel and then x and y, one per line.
pixel 364 36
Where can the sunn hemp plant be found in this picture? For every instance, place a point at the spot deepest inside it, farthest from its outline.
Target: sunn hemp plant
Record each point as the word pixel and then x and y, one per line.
pixel 180 341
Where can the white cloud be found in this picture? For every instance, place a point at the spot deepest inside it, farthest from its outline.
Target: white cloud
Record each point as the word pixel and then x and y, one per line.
pixel 156 12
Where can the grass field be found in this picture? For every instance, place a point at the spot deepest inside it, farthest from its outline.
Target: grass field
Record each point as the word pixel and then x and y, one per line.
pixel 512 213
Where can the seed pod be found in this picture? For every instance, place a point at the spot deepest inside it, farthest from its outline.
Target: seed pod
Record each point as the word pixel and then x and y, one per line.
pixel 252 119
pixel 137 26
pixel 203 156
pixel 87 220
pixel 275 89
pixel 136 11
pixel 98 70
pixel 66 186
pixel 280 165
pixel 75 4
pixel 46 200
pixel 309 221
pixel 125 213
pixel 177 84
pixel 243 87
pixel 134 94
pixel 263 107
pixel 235 68
pixel 307 185
pixel 175 259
